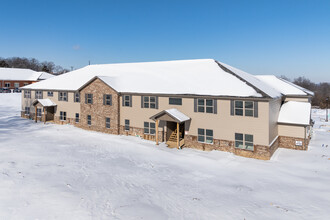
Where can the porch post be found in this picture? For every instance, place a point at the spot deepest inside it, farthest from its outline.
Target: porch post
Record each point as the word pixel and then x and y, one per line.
pixel 157 121
pixel 35 113
pixel 45 115
pixel 178 135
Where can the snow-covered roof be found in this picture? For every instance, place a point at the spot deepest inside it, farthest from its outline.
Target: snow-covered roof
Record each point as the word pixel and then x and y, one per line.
pixel 173 113
pixel 45 75
pixel 177 114
pixel 293 112
pixel 283 86
pixel 45 102
pixel 195 77
pixel 22 74
pixel 253 81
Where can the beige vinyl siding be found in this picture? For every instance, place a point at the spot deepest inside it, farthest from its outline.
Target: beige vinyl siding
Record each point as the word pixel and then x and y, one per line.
pixel 70 107
pixel 291 131
pixel 274 111
pixel 223 124
pixel 298 99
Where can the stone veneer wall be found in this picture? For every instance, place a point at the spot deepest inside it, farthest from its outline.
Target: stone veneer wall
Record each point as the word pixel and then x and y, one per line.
pixel 259 152
pixel 133 131
pixel 98 110
pixel 67 121
pixel 290 143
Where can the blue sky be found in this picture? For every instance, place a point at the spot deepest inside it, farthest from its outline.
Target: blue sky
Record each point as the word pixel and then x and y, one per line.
pixel 290 37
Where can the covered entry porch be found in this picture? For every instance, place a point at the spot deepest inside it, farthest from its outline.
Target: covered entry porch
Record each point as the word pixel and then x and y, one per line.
pixel 44 109
pixel 174 129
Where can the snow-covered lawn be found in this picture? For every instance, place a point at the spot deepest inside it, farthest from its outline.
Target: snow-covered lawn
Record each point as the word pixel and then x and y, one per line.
pixel 50 171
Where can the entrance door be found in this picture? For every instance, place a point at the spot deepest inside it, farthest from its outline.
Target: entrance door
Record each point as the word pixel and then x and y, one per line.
pixel 50 114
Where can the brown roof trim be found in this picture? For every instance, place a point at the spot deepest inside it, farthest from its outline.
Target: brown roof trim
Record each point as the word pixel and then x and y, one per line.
pixel 291 124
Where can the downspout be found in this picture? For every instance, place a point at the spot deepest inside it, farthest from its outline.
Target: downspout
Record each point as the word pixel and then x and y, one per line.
pixel 305 137
pixel 118 114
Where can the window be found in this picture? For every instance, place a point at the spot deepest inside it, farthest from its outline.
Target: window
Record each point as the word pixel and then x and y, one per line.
pixel 244 141
pixel 149 128
pixel 107 99
pixel 244 108
pixel 205 136
pixel 77 97
pixel 248 108
pixel 39 112
pixel 175 101
pixel 107 122
pixel 25 84
pixel 89 120
pixel 77 117
pixel 38 95
pixel 205 105
pixel 149 102
pixel 88 98
pixel 63 116
pixel 62 96
pixel 27 94
pixel 126 125
pixel 27 110
pixel 16 85
pixel 7 85
pixel 127 100
pixel 50 94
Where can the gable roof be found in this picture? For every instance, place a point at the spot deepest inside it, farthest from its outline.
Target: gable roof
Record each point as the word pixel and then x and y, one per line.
pixel 293 112
pixel 22 74
pixel 174 113
pixel 193 77
pixel 283 86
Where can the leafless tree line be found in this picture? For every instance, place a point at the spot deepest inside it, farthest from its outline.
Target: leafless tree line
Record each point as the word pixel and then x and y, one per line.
pixel 33 64
pixel 321 90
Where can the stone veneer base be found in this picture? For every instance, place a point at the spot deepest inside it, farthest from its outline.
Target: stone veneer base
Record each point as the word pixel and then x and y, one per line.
pixel 260 151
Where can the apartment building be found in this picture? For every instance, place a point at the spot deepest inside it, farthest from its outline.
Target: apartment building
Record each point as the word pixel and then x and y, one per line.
pixel 202 104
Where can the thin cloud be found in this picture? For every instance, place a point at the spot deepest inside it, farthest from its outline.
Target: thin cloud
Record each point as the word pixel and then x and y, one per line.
pixel 76 47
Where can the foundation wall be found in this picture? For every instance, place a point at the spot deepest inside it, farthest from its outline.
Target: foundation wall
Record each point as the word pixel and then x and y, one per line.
pixel 260 151
pixel 291 143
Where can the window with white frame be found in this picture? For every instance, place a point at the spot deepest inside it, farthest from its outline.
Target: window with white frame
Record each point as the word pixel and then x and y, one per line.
pixel 77 117
pixel 244 141
pixel 88 98
pixel 77 97
pixel 175 101
pixel 107 122
pixel 16 85
pixel 27 94
pixel 39 112
pixel 149 128
pixel 127 100
pixel 50 94
pixel 38 94
pixel 62 96
pixel 27 110
pixel 7 84
pixel 244 108
pixel 89 120
pixel 205 105
pixel 62 116
pixel 126 125
pixel 107 99
pixel 149 101
pixel 205 136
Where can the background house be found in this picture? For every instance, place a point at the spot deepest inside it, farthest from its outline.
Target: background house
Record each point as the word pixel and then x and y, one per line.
pixel 15 78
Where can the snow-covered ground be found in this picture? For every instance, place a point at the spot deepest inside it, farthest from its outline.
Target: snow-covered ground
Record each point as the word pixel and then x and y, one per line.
pixel 50 171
